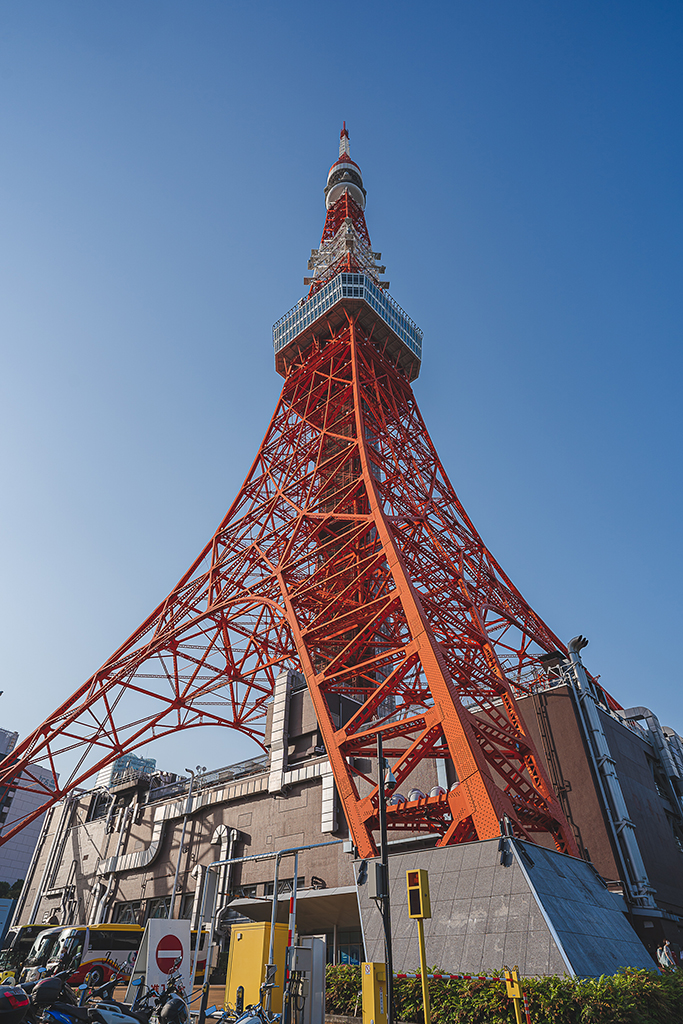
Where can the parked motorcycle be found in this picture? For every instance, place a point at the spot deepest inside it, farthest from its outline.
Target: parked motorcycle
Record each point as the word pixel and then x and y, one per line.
pixel 54 1002
pixel 50 992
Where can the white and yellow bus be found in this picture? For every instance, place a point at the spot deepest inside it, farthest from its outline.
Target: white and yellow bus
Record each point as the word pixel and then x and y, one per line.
pixel 99 951
pixel 15 949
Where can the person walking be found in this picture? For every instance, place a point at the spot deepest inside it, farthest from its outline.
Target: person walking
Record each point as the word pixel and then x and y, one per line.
pixel 668 958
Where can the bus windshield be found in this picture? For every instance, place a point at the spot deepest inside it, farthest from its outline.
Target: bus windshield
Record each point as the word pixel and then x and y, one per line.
pixel 69 948
pixel 42 948
pixel 16 947
pixel 11 958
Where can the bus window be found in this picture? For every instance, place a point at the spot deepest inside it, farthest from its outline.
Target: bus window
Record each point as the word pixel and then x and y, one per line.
pixel 118 939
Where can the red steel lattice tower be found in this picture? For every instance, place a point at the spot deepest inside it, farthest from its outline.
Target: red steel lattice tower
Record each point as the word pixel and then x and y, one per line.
pixel 346 555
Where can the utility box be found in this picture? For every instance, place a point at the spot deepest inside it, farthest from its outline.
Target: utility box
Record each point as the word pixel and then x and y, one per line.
pixel 377 881
pixel 299 959
pixel 314 1008
pixel 374 991
pixel 247 959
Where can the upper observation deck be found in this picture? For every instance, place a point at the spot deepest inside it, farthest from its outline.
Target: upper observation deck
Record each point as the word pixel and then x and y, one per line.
pixel 393 331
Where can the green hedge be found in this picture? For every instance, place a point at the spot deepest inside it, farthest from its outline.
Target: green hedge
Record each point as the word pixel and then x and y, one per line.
pixel 630 997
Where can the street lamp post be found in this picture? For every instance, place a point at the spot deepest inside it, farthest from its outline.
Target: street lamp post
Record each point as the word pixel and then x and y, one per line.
pixel 385 779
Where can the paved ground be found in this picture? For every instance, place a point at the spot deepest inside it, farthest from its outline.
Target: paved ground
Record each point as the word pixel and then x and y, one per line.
pixel 216 996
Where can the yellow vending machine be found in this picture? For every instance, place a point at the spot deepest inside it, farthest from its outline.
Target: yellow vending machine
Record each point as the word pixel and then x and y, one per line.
pixel 247 959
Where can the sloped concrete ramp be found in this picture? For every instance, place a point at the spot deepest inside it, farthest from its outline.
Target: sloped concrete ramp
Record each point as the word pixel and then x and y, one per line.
pixel 540 910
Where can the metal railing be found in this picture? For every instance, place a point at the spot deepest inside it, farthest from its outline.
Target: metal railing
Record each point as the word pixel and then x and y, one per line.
pixel 347 285
pixel 254 766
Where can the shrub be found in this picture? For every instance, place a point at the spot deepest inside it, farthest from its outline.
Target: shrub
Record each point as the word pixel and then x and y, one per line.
pixel 630 997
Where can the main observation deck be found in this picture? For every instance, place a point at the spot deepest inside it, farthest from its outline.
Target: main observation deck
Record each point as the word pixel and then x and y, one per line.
pixel 392 329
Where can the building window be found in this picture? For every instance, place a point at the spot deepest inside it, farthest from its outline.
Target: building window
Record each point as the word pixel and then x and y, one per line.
pixel 127 913
pixel 349 946
pixel 140 911
pixel 246 892
pixel 658 778
pixel 284 885
pixel 677 831
pixel 158 907
pixel 186 904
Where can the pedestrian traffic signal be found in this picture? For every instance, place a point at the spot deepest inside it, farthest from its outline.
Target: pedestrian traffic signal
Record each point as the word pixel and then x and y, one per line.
pixel 419 904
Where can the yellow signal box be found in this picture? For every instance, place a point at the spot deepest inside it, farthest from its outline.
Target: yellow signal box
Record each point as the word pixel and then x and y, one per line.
pixel 419 905
pixel 514 990
pixel 515 993
pixel 374 990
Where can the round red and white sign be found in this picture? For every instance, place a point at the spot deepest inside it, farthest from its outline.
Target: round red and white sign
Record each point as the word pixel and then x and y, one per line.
pixel 169 953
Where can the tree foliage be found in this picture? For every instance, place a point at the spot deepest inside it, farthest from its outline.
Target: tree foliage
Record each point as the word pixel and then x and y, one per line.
pixel 11 892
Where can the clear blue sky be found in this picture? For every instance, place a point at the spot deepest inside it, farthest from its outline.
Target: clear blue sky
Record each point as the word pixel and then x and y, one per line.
pixel 161 175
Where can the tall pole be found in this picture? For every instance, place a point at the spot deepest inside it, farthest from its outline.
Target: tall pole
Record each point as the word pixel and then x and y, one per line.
pixel 423 971
pixel 188 805
pixel 291 932
pixel 271 969
pixel 386 903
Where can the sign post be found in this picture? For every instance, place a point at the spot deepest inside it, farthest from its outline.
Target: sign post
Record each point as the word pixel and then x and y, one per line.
pixel 419 907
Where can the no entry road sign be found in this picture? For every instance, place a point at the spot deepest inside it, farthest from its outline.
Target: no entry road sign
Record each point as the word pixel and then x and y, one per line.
pixel 169 953
pixel 164 944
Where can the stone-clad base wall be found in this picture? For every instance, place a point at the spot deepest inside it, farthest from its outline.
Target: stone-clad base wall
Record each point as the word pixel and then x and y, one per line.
pixel 539 910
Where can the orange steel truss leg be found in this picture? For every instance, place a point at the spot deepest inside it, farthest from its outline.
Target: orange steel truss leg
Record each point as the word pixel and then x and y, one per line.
pixel 346 555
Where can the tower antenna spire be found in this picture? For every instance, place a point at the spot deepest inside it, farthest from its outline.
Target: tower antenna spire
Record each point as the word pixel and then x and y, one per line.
pixel 344 147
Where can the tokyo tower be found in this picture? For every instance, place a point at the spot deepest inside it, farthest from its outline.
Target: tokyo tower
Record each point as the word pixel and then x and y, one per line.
pixel 348 557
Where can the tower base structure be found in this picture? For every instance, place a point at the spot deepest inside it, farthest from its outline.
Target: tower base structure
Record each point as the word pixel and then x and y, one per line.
pixel 507 902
